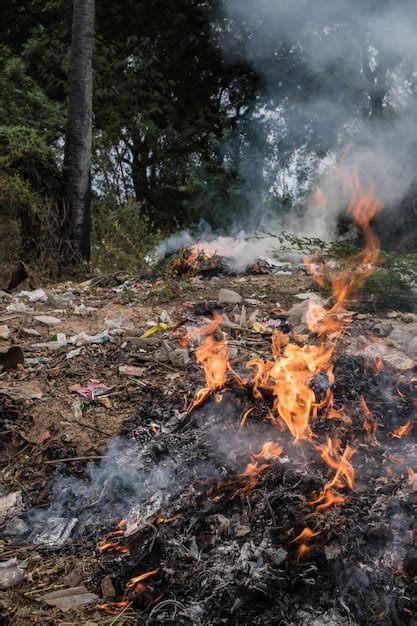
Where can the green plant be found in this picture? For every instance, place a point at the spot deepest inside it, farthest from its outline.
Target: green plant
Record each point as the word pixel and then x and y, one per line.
pixel 122 236
pixel 386 290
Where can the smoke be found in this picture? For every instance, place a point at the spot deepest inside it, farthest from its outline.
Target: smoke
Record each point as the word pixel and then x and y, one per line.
pixel 136 482
pixel 335 73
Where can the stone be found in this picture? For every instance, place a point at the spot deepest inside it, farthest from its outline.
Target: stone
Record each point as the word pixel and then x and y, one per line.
pixel 228 296
pixel 384 328
pixel 402 337
pixel 397 359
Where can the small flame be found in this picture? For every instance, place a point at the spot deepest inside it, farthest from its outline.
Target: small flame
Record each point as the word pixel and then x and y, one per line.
pixel 270 450
pixel 370 423
pixel 114 608
pixel 305 536
pixel 344 475
pixel 402 431
pixel 135 584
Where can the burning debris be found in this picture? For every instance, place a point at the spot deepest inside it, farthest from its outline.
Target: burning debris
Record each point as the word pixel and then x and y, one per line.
pixel 282 489
pixel 215 536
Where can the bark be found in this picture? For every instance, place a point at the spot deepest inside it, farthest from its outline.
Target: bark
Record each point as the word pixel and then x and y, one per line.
pixel 77 158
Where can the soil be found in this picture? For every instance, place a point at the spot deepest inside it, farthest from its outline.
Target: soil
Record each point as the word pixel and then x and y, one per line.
pixel 226 556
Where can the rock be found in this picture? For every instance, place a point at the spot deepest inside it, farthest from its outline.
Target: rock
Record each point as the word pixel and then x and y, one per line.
pixel 402 337
pixel 297 314
pixel 412 349
pixel 308 295
pixel 384 328
pixel 408 318
pixel 398 360
pixel 227 296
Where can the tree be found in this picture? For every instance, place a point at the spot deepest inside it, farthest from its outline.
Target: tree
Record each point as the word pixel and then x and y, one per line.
pixel 78 139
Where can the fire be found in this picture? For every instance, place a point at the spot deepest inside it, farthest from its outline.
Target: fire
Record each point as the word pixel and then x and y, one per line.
pixel 213 355
pixel 304 538
pixel 402 431
pixel 344 474
pixel 270 450
pixel 109 543
pixel 114 608
pixel 135 584
pixel 370 424
pixel 189 261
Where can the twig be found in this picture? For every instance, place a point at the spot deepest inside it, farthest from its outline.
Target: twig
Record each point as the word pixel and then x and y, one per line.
pixel 93 457
pixel 102 432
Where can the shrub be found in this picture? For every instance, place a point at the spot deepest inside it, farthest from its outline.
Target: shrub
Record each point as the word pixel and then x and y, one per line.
pixel 122 236
pixel 386 290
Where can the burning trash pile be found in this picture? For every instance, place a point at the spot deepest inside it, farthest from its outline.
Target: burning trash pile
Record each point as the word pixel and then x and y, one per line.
pixel 295 486
pixel 282 489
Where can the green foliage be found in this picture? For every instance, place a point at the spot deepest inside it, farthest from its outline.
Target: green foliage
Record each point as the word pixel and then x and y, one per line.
pixel 23 103
pixel 386 290
pixel 122 236
pixel 29 179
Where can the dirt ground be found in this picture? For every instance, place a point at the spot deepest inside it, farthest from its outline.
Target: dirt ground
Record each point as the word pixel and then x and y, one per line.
pixel 42 433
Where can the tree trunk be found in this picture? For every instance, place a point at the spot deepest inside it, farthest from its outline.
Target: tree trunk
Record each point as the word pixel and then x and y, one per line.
pixel 77 157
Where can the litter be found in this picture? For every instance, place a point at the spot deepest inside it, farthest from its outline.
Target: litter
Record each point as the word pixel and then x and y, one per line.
pixel 56 531
pixel 48 320
pixel 156 328
pixel 93 389
pixel 38 295
pixel 130 370
pixel 10 505
pixel 10 573
pixel 4 332
pixel 66 599
pixel 18 307
pixel 73 353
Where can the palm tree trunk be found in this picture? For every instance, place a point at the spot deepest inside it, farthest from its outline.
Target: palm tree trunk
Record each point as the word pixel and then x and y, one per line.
pixel 77 157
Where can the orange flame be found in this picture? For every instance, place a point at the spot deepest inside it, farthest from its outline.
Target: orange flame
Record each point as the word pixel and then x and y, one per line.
pixel 305 537
pixel 135 585
pixel 213 355
pixel 270 450
pixel 370 423
pixel 344 475
pixel 402 431
pixel 114 608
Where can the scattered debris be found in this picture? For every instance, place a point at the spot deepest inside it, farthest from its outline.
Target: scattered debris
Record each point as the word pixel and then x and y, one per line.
pixel 21 391
pixel 48 320
pixel 130 370
pixel 10 505
pixel 73 353
pixel 10 573
pixel 4 332
pixel 38 295
pixel 66 599
pixel 93 389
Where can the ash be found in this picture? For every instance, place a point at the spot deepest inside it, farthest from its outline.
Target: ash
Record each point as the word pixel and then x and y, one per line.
pixel 229 557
